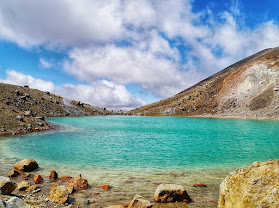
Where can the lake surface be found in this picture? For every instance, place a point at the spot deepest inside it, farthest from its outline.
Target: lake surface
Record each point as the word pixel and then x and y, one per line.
pixel 146 150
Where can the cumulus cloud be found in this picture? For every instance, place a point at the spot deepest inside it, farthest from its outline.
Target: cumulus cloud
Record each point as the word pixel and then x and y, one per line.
pixel 101 93
pixel 161 45
pixel 45 64
pixel 17 78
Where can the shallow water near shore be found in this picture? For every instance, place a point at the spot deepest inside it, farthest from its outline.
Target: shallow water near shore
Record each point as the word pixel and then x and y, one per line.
pixel 135 154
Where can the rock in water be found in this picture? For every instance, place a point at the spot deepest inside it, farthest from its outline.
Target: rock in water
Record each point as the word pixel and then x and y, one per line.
pixel 139 202
pixel 26 165
pixel 6 185
pixel 171 193
pixel 59 194
pixel 16 203
pixel 254 186
pixel 78 183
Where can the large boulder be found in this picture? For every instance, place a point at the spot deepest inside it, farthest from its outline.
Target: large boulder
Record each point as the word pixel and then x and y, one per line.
pixel 6 185
pixel 171 193
pixel 26 165
pixel 254 186
pixel 139 202
pixel 78 183
pixel 59 194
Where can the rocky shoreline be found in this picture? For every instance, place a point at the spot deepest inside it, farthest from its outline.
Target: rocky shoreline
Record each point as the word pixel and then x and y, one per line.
pixel 254 186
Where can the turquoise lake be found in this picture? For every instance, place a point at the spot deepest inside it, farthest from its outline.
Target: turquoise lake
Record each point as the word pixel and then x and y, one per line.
pixel 115 148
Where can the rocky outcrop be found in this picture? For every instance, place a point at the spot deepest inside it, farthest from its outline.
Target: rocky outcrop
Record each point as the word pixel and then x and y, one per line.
pixel 254 186
pixel 139 202
pixel 171 193
pixel 22 109
pixel 78 183
pixel 6 185
pixel 14 202
pixel 26 165
pixel 59 194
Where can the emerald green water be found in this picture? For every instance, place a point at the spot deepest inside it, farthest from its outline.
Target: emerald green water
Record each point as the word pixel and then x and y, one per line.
pixel 110 149
pixel 151 142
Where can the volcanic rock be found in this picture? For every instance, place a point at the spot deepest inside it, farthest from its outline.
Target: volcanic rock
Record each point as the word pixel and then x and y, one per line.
pixel 38 179
pixel 13 173
pixel 171 193
pixel 53 175
pixel 23 185
pixel 139 202
pixel 254 186
pixel 26 165
pixel 78 183
pixel 59 194
pixel 6 185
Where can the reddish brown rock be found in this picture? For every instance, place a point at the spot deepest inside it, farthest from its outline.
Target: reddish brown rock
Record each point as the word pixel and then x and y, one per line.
pixel 199 185
pixel 53 175
pixel 105 187
pixel 78 183
pixel 13 173
pixel 38 179
pixel 171 193
pixel 65 178
pixel 26 165
pixel 59 194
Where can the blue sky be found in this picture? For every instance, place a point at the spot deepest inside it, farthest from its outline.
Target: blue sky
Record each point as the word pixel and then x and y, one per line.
pixel 122 54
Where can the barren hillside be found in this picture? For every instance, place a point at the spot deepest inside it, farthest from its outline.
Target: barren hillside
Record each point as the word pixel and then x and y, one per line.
pixel 246 89
pixel 23 109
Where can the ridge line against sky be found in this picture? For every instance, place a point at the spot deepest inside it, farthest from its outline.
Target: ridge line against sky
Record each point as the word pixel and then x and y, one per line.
pixel 122 54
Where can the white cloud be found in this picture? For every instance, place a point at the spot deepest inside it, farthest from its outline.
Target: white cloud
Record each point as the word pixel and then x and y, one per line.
pixel 45 63
pixel 17 78
pixel 101 93
pixel 161 45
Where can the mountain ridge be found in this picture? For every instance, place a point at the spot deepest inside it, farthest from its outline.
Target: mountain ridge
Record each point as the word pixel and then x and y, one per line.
pixel 229 93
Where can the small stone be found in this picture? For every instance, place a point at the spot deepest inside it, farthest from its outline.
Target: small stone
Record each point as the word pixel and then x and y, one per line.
pixel 65 178
pixel 19 118
pixel 105 187
pixel 59 194
pixel 13 173
pixel 23 185
pixel 78 183
pixel 139 202
pixel 26 165
pixel 6 185
pixel 199 185
pixel 53 175
pixel 32 188
pixel 28 113
pixel 38 179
